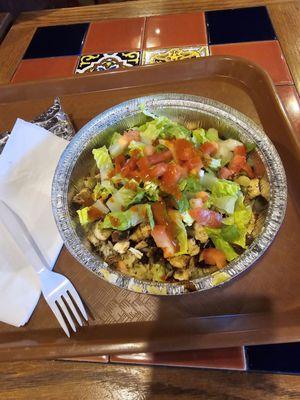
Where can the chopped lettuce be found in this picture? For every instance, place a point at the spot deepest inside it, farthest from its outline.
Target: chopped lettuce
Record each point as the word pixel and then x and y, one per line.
pixel 208 180
pixel 151 132
pixel 220 243
pixel 215 163
pixel 180 231
pixel 151 191
pixel 83 215
pixel 122 220
pixel 103 190
pixel 186 218
pixel 250 147
pixel 223 187
pixel 212 135
pixel 198 136
pixel 230 233
pixel 224 203
pixel 241 218
pixel 134 145
pixel 103 161
pixel 117 145
pixel 124 197
pixel 182 203
pixel 191 184
pixel 226 148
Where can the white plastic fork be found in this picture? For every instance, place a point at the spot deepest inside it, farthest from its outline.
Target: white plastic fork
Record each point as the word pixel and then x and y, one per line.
pixel 58 291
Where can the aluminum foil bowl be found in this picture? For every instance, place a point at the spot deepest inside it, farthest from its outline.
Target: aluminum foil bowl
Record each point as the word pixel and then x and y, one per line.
pixel 191 111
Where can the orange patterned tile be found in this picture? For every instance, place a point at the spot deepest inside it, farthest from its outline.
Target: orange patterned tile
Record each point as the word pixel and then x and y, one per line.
pixel 44 68
pixel 266 54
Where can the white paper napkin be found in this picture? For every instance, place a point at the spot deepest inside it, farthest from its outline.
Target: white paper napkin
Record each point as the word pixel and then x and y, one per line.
pixel 27 166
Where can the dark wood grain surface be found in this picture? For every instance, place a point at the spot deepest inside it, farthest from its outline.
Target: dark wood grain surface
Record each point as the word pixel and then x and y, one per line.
pixel 66 380
pixel 78 380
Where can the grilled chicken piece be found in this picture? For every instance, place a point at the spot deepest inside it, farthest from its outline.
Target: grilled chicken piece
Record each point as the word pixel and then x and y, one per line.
pixel 193 248
pixel 122 246
pixel 253 188
pixel 101 234
pixel 200 233
pixel 142 232
pixel 179 261
pixel 84 197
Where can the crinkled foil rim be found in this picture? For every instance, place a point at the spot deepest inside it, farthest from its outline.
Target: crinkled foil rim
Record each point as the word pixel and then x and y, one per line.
pixel 249 130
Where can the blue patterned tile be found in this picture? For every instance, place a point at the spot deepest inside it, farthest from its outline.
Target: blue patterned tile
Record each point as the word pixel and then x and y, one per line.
pixel 54 41
pixel 239 25
pixel 274 357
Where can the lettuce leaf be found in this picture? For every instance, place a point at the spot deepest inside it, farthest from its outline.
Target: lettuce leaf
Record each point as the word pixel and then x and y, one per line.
pixel 198 136
pixel 180 231
pixel 212 135
pixel 223 187
pixel 103 190
pixel 191 184
pixel 103 161
pixel 122 220
pixel 124 197
pixel 182 203
pixel 220 243
pixel 117 145
pixel 134 145
pixel 152 131
pixel 151 191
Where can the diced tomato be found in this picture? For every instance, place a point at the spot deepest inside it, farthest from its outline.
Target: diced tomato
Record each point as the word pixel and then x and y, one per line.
pixel 129 166
pixel 237 163
pixel 132 135
pixel 240 150
pixel 184 149
pixel 209 148
pixel 194 163
pixel 248 170
pixel 172 175
pixel 160 157
pixel 143 165
pixel 225 173
pixel 206 217
pixel 203 196
pixel 158 170
pixel 214 256
pixel 163 240
pixel 160 213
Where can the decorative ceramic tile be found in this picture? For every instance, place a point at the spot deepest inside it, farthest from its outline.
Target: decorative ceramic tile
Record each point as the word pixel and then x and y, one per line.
pixel 291 102
pixel 174 54
pixel 175 30
pixel 229 358
pixel 54 41
pixel 266 54
pixel 44 68
pixel 239 25
pixel 274 357
pixel 107 61
pixel 114 36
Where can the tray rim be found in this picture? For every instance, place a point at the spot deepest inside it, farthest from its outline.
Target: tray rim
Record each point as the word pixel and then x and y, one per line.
pixel 17 344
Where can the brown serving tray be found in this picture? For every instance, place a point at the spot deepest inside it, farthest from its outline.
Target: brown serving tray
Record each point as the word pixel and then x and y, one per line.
pixel 261 306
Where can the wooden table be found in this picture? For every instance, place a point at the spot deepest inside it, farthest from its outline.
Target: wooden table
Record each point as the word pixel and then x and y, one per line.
pixel 78 380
